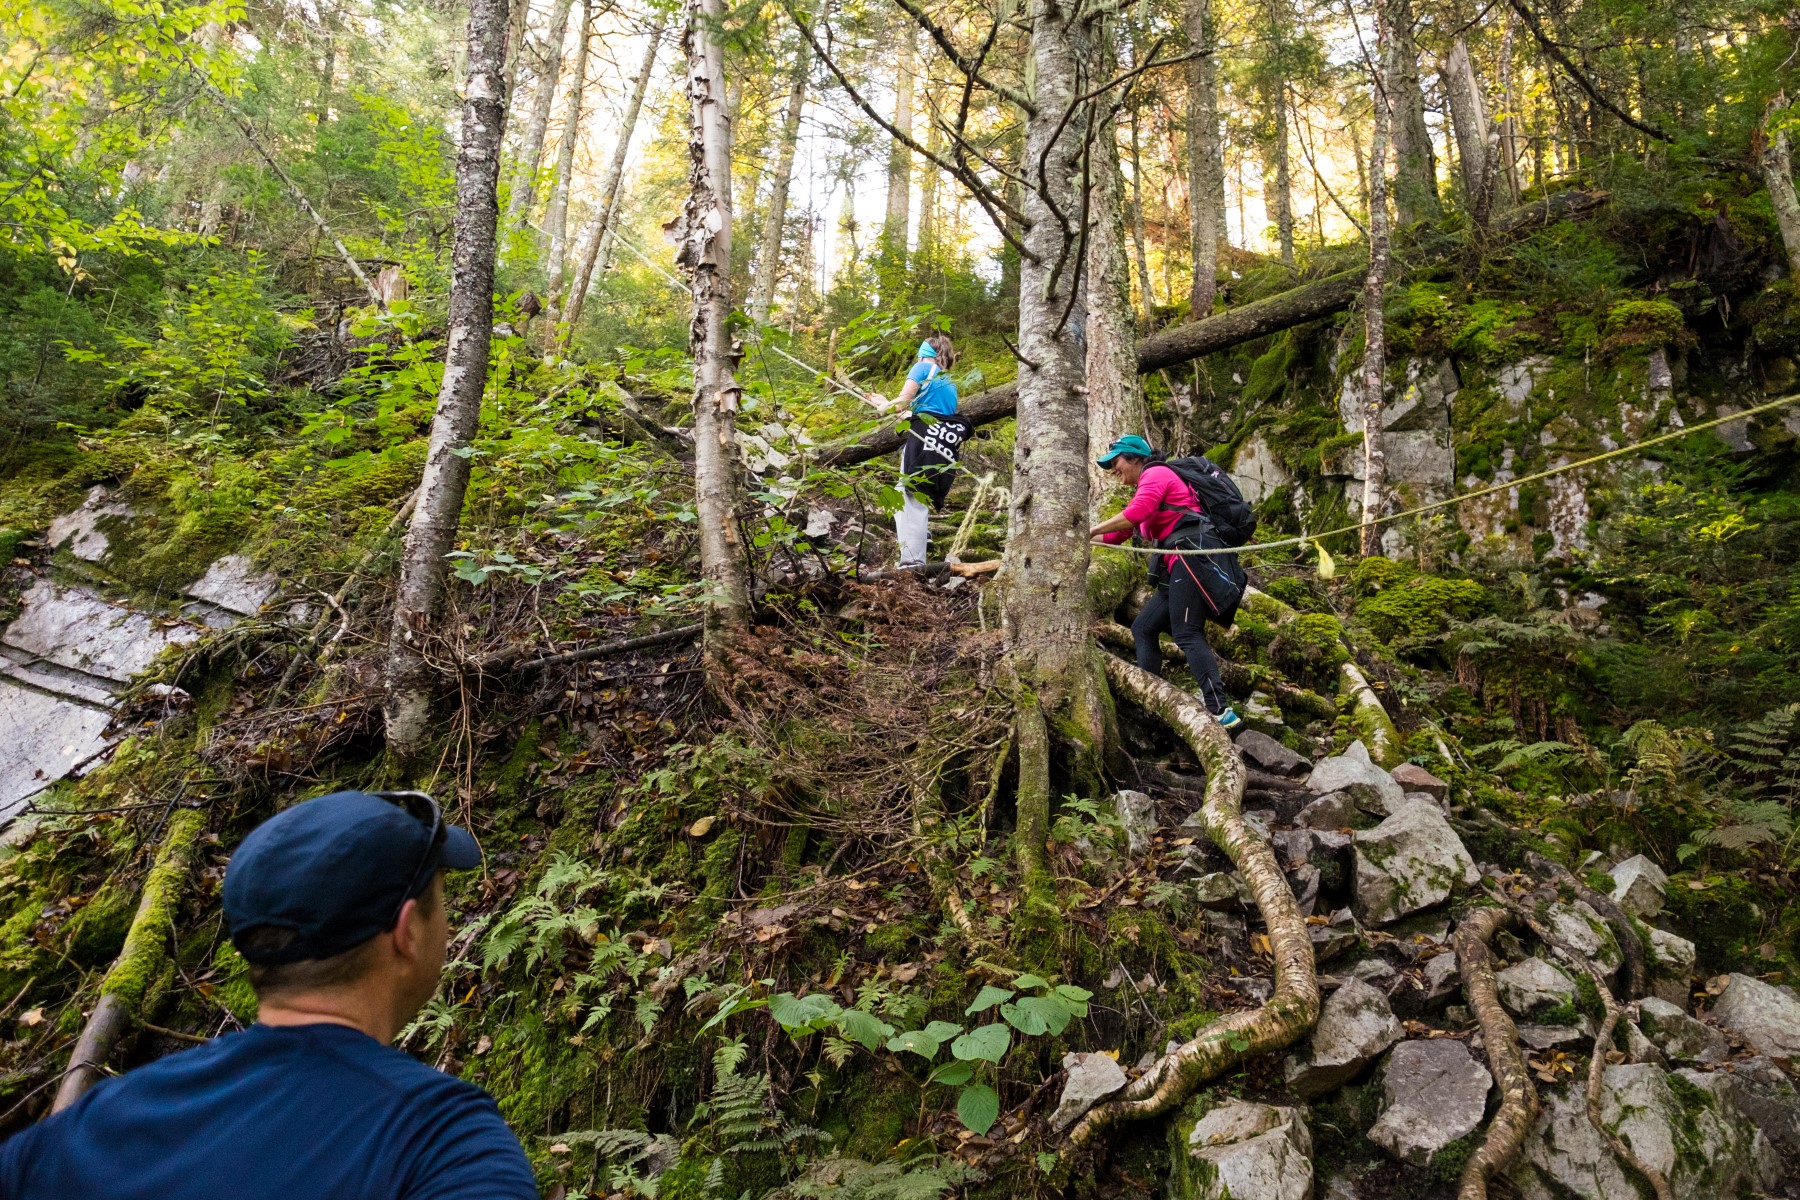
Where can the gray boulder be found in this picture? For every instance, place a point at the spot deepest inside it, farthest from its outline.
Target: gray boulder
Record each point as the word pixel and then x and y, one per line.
pixel 1639 886
pixel 1246 1151
pixel 1434 1092
pixel 1223 891
pixel 1586 932
pixel 1409 862
pixel 1355 1027
pixel 1137 814
pixel 1559 1037
pixel 1091 1079
pixel 1767 1098
pixel 1533 986
pixel 1414 778
pixel 1368 785
pixel 1672 966
pixel 1684 1125
pixel 1270 755
pixel 1678 1035
pixel 1765 1016
pixel 1333 811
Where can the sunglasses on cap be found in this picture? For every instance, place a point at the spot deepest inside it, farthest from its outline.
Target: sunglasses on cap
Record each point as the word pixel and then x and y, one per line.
pixel 429 814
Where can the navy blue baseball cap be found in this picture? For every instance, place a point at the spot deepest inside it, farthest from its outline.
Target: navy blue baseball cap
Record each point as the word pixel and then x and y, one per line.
pixel 336 870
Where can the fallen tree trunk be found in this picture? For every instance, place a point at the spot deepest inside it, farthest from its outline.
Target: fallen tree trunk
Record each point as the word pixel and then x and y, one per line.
pixel 1518 1095
pixel 1293 1009
pixel 1221 331
pixel 140 974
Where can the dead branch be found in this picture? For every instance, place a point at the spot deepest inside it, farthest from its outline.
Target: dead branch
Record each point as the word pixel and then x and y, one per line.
pixel 511 657
pixel 1579 78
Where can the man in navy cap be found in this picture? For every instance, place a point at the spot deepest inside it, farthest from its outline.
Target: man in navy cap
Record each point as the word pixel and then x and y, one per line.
pixel 338 906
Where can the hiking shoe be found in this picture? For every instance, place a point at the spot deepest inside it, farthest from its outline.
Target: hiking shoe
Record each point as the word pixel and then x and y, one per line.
pixel 1229 721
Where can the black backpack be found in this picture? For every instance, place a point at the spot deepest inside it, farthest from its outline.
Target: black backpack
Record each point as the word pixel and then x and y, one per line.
pixel 1223 505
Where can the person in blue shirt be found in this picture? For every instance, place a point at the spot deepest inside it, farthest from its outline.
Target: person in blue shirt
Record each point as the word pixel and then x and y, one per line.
pixel 338 905
pixel 934 441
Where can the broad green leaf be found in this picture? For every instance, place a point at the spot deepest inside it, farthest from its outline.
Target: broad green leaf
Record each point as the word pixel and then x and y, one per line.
pixel 989 1043
pixel 1075 997
pixel 943 1031
pixel 1056 1012
pixel 1030 981
pixel 978 1108
pixel 803 1012
pixel 1026 1021
pixel 953 1074
pixel 865 1029
pixel 987 997
pixel 916 1040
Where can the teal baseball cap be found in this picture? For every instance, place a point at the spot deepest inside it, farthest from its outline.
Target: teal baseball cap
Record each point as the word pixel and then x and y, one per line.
pixel 1131 443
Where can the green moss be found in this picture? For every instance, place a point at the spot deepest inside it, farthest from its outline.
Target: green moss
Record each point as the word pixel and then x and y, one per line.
pixel 231 987
pixel 1296 592
pixel 141 970
pixel 1310 648
pixel 94 934
pixel 1421 607
pixel 1644 325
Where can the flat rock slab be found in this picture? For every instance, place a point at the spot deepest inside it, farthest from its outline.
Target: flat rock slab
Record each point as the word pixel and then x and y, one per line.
pixel 1684 1125
pixel 1411 861
pixel 1434 1093
pixel 1763 1015
pixel 80 530
pixel 1270 754
pixel 236 584
pixel 1355 1027
pixel 1371 787
pixel 73 627
pixel 1246 1151
pixel 1414 778
pixel 1091 1079
pixel 42 738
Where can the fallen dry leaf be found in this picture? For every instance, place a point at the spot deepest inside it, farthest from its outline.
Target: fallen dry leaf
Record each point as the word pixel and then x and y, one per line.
pixel 702 827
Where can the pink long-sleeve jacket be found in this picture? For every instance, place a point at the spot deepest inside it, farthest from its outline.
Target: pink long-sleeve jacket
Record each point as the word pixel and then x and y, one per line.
pixel 1157 486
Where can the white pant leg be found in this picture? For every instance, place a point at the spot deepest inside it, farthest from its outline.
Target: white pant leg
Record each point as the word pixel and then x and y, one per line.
pixel 913 524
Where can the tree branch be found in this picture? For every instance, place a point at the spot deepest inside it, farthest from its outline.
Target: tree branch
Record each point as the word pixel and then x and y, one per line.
pixel 1580 80
pixel 969 70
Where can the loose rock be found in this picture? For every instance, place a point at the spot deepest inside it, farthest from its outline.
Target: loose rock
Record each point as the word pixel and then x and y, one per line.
pixel 1533 986
pixel 1765 1016
pixel 1091 1079
pixel 1639 887
pixel 1355 1027
pixel 1372 788
pixel 1334 811
pixel 1270 755
pixel 1672 972
pixel 1414 778
pixel 1137 814
pixel 1245 1151
pixel 1558 1037
pixel 1681 1124
pixel 1678 1035
pixel 1587 934
pixel 1435 1093
pixel 1409 862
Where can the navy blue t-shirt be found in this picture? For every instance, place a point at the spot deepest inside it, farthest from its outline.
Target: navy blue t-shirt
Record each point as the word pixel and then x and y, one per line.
pixel 274 1114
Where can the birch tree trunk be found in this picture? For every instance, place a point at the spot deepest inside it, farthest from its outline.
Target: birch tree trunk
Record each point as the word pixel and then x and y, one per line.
pixel 1777 163
pixel 531 144
pixel 768 255
pixel 1137 226
pixel 1415 167
pixel 1044 610
pixel 515 43
pixel 1278 184
pixel 471 321
pixel 705 236
pixel 607 213
pixel 1115 403
pixel 1468 120
pixel 892 256
pixel 1374 360
pixel 1206 164
pixel 926 255
pixel 556 216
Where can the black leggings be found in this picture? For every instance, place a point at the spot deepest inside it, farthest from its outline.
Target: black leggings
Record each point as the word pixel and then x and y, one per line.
pixel 1180 609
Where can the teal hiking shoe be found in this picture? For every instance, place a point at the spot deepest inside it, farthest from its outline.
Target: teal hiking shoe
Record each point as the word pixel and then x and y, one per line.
pixel 1229 721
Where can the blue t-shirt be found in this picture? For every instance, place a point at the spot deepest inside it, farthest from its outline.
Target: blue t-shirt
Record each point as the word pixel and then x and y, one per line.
pixel 271 1113
pixel 937 394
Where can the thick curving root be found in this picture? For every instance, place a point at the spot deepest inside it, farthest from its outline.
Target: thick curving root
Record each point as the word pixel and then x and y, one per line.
pixel 1293 1009
pixel 140 974
pixel 1597 1062
pixel 1518 1095
pixel 1630 944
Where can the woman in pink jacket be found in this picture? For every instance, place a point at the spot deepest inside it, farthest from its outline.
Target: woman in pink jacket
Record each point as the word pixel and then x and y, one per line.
pixel 1191 588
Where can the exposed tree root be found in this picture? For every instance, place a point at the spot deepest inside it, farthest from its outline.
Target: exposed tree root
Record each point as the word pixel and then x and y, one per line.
pixel 1518 1095
pixel 1032 734
pixel 1630 944
pixel 140 974
pixel 1293 1009
pixel 1237 677
pixel 1597 1062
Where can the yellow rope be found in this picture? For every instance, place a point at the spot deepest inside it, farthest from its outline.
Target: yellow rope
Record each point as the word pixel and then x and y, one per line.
pixel 1475 495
